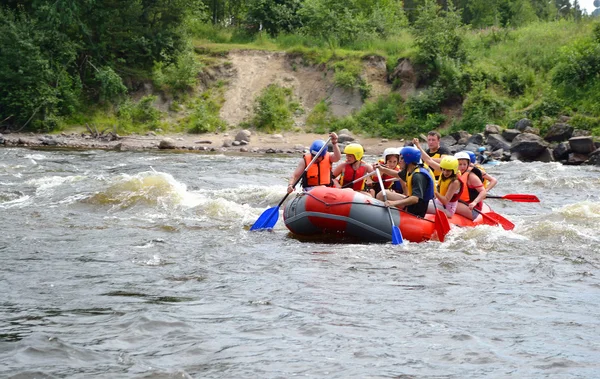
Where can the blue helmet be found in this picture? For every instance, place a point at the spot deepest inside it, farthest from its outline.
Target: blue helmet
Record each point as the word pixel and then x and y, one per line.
pixel 316 146
pixel 411 154
pixel 472 156
pixel 481 148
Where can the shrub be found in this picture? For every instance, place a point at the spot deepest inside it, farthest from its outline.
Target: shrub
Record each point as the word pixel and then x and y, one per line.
pixel 178 76
pixel 320 119
pixel 274 108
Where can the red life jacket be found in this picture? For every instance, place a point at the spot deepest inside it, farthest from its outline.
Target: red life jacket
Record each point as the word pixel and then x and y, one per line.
pixel 349 174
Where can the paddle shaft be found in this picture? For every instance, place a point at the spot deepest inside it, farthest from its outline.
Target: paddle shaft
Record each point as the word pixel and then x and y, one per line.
pixel 396 234
pixel 362 177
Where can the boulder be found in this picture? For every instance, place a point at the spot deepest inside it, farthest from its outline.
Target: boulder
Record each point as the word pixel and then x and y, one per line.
pixel 576 159
pixel 561 151
pixel 227 142
pixel 594 158
pixel 546 156
pixel 496 142
pixel 559 132
pixel 491 129
pixel 166 143
pixel 523 123
pixel 528 145
pixel 532 130
pixel 343 138
pixel 471 147
pixel 461 136
pixel 582 145
pixel 448 141
pixel 243 135
pixel 581 132
pixel 510 134
pixel 476 139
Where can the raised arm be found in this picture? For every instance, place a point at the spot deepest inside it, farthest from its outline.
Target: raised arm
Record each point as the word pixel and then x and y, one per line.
pixel 434 165
pixel 337 154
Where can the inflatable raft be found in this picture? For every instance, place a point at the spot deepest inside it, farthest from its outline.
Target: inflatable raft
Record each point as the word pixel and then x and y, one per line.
pixel 324 210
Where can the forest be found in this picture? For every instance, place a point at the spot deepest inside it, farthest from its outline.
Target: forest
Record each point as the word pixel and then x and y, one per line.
pixel 64 64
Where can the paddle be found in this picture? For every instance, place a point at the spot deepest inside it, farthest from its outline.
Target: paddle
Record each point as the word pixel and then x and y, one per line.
pixel 518 197
pixel 362 177
pixel 357 180
pixel 396 235
pixel 442 225
pixel 493 218
pixel 268 218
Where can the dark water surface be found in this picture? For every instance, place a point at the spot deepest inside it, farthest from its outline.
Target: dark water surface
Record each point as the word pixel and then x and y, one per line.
pixel 140 265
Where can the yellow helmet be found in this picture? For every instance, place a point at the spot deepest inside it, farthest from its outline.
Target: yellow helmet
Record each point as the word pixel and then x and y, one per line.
pixel 449 163
pixel 356 150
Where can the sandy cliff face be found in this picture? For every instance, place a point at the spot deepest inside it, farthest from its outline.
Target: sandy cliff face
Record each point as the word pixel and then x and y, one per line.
pixel 255 70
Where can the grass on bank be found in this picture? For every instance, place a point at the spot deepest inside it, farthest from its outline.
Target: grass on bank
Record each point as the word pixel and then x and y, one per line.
pixel 508 75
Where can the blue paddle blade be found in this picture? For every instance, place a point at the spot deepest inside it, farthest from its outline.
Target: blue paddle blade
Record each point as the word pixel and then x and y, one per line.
pixel 267 219
pixel 396 236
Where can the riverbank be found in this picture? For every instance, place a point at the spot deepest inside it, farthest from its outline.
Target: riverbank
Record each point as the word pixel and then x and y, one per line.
pixel 225 143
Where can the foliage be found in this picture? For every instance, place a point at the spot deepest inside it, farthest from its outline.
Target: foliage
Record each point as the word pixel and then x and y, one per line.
pixel 180 75
pixel 141 113
pixel 320 118
pixel 347 74
pixel 110 84
pixel 341 22
pixel 438 34
pixel 274 109
pixel 274 16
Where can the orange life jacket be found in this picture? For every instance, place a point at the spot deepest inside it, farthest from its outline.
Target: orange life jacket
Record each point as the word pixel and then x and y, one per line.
pixel 319 174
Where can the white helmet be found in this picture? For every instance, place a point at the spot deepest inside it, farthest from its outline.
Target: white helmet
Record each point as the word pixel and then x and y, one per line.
pixel 462 155
pixel 390 151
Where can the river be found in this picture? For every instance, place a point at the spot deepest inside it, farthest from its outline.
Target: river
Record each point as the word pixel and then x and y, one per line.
pixel 141 265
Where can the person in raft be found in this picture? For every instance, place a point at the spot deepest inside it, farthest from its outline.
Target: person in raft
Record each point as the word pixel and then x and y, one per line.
pixel 354 168
pixel 489 181
pixel 473 192
pixel 391 160
pixel 449 187
pixel 319 174
pixel 419 184
pixel 435 150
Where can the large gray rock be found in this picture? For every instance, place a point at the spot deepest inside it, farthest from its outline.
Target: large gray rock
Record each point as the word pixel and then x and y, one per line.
pixel 448 141
pixel 472 147
pixel 492 129
pixel 581 132
pixel 476 139
pixel 528 145
pixel 577 159
pixel 497 142
pixel 167 143
pixel 561 151
pixel 559 132
pixel 594 158
pixel 510 134
pixel 243 135
pixel 546 156
pixel 582 145
pixel 523 123
pixel 460 135
pixel 343 138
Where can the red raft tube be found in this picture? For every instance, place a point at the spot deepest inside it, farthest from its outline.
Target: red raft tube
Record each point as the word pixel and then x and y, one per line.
pixel 347 213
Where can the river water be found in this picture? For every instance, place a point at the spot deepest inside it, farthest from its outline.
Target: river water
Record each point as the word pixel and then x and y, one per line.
pixel 141 265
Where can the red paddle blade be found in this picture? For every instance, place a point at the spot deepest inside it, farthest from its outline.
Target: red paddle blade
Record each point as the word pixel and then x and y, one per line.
pixel 522 198
pixel 518 197
pixel 442 225
pixel 507 225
